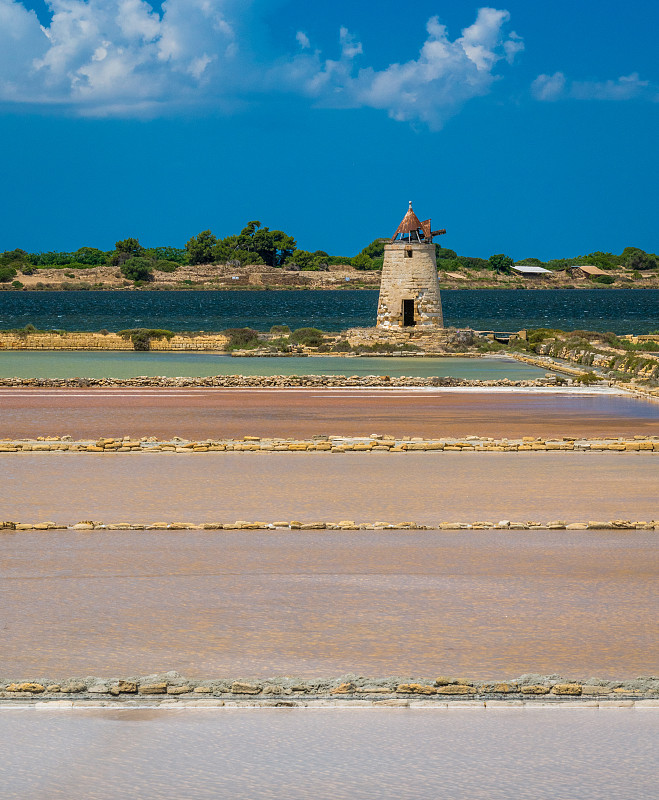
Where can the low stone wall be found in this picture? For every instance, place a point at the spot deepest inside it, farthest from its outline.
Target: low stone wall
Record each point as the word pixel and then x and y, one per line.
pixel 274 381
pixel 172 689
pixel 375 443
pixel 109 341
pixel 344 525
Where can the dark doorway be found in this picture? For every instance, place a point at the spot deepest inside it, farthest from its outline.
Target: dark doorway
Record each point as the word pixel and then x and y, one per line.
pixel 408 313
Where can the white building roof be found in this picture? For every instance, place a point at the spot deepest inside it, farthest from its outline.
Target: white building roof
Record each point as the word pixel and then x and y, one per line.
pixel 524 270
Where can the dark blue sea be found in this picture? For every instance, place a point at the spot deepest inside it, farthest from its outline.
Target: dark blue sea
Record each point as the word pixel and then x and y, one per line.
pixel 619 310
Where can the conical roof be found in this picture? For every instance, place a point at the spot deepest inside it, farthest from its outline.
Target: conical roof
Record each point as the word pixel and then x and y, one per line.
pixel 411 224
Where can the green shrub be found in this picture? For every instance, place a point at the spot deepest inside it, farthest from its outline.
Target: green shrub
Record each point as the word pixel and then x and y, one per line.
pixel 280 329
pixel 342 347
pixel 137 269
pixel 17 284
pixel 141 337
pixel 362 261
pixel 283 344
pixel 537 335
pixel 166 266
pixel 6 274
pixel 607 280
pixel 500 262
pixel 587 378
pixel 242 338
pixel 309 337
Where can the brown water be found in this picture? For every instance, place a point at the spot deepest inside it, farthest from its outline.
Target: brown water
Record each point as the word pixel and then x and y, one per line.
pixel 406 754
pixel 426 488
pixel 201 413
pixel 212 604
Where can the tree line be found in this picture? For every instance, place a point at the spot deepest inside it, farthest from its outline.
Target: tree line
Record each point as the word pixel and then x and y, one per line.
pixel 257 244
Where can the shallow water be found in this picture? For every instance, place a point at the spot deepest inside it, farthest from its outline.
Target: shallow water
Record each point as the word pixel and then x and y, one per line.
pixel 477 604
pixel 16 364
pixel 203 413
pixel 426 488
pixel 513 754
pixel 620 310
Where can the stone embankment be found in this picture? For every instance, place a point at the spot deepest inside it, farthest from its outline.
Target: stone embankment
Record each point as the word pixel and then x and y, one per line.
pixel 272 381
pixel 645 373
pixel 343 525
pixel 171 689
pixel 375 443
pixel 610 362
pixel 109 341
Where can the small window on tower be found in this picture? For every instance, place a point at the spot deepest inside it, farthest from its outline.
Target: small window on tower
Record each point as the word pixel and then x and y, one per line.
pixel 408 252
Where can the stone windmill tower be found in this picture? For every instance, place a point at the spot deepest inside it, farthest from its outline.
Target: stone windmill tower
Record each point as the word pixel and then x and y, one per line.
pixel 409 291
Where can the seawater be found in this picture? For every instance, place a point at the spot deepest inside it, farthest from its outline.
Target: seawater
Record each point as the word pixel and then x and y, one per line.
pixel 72 364
pixel 361 754
pixel 620 310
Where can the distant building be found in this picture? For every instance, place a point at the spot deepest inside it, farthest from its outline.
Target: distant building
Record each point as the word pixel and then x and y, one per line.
pixel 523 269
pixel 585 271
pixel 409 289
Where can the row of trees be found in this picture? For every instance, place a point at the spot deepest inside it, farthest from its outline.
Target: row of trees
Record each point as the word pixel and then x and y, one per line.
pixel 257 244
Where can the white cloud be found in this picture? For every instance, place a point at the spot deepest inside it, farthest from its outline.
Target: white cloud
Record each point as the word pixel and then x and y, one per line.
pixel 114 56
pixel 303 40
pixel 430 88
pixel 557 87
pixel 122 57
pixel 548 87
pixel 21 40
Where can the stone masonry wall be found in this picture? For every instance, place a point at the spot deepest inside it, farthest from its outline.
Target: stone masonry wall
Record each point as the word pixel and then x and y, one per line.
pixel 110 341
pixel 405 278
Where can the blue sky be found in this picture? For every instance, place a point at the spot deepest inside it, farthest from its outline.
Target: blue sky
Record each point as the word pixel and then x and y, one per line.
pixel 528 128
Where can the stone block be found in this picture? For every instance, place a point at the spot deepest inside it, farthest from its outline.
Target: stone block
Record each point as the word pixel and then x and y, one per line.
pixel 343 688
pixel 572 689
pixel 415 688
pixel 499 688
pixel 127 687
pixel 238 687
pixel 153 688
pixel 32 688
pixel 75 687
pixel 456 689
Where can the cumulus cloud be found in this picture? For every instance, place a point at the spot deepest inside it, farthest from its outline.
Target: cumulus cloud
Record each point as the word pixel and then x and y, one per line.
pixel 113 56
pixel 558 87
pixel 124 57
pixel 430 88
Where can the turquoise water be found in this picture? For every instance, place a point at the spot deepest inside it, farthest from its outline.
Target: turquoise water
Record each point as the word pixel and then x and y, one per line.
pixel 82 364
pixel 619 310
